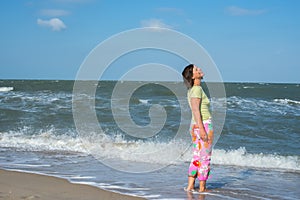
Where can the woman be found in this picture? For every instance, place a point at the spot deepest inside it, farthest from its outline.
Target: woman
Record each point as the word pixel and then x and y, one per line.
pixel 201 128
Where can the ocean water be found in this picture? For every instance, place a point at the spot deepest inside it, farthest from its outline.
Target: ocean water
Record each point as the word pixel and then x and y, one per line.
pixel 255 156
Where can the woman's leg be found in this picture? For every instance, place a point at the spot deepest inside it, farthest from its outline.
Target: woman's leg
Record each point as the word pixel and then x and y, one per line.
pixel 192 174
pixel 191 183
pixel 205 155
pixel 202 186
pixel 193 168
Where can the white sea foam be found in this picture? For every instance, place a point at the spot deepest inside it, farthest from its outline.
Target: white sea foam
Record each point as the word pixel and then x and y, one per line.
pixel 286 101
pixel 240 157
pixel 30 165
pixel 6 89
pixel 144 101
pixel 45 141
pixel 248 87
pixel 276 106
pixel 173 152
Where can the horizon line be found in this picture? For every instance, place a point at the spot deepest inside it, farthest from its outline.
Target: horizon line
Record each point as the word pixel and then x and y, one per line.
pixel 112 80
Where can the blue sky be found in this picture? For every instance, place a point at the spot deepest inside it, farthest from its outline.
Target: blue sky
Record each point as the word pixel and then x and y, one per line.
pixel 250 41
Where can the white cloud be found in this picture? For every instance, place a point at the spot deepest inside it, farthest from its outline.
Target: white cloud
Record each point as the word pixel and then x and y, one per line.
pixel 54 12
pixel 55 24
pixel 155 24
pixel 237 11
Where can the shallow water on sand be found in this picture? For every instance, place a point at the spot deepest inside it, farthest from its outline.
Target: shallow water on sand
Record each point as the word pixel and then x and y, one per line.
pixel 226 182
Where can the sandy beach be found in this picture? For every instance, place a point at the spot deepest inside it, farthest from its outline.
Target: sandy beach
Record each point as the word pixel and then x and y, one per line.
pixel 26 186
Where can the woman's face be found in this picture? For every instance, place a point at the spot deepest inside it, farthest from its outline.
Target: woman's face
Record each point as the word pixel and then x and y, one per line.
pixel 197 73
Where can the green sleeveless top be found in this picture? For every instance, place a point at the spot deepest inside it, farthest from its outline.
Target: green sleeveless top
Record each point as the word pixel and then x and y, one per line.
pixel 197 92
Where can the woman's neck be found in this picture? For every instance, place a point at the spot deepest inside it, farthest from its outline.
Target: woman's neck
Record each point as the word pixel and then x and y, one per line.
pixel 197 82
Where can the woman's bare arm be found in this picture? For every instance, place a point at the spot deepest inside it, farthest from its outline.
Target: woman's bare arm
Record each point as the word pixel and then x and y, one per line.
pixel 195 104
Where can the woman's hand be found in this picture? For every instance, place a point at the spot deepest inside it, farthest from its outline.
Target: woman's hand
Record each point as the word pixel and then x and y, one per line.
pixel 204 137
pixel 203 134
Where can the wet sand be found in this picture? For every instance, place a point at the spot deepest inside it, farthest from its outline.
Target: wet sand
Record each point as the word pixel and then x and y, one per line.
pixel 26 186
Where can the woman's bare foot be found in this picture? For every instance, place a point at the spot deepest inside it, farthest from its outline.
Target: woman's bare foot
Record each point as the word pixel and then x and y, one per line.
pixel 204 190
pixel 191 183
pixel 202 186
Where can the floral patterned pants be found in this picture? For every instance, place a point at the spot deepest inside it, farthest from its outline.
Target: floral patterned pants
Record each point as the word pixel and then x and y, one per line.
pixel 200 164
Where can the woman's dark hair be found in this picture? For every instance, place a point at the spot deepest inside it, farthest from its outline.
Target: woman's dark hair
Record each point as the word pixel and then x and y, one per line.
pixel 187 74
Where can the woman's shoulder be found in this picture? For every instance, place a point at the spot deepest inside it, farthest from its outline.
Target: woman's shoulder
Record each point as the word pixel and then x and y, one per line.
pixel 196 87
pixel 196 90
